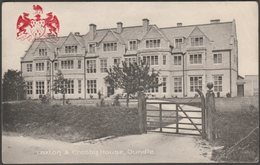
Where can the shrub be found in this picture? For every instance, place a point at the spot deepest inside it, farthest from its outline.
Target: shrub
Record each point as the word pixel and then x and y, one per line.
pixel 69 122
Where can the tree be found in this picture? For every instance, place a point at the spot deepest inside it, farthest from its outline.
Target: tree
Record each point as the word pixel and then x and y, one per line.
pixel 60 85
pixel 14 87
pixel 132 77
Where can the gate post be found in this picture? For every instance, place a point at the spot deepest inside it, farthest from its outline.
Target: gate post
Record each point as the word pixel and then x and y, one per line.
pixel 203 114
pixel 142 112
pixel 210 106
pixel 177 118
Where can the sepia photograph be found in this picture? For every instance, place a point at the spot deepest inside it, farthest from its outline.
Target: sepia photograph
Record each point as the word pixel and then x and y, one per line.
pixel 130 82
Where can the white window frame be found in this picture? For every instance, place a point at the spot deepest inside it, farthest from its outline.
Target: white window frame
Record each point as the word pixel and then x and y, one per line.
pixel 164 59
pixel 131 47
pixel 29 67
pixel 197 43
pixel 91 66
pixel 151 59
pixel 91 86
pixel 43 52
pixel 94 48
pixel 152 43
pixel 70 86
pixel 71 49
pixel 110 48
pixel 177 84
pixel 39 87
pixel 193 85
pixel 217 58
pixel 29 87
pixel 39 66
pixel 103 65
pixel 67 64
pixel 79 64
pixel 177 60
pixel 192 60
pixel 164 84
pixel 79 86
pixel 178 44
pixel 218 83
pixel 118 61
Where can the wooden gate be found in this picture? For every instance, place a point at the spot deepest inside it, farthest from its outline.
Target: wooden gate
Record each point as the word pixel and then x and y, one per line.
pixel 175 117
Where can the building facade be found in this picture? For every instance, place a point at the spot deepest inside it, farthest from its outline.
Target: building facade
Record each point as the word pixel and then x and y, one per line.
pixel 187 57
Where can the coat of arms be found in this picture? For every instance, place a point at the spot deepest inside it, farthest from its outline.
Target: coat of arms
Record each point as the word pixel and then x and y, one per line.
pixel 39 26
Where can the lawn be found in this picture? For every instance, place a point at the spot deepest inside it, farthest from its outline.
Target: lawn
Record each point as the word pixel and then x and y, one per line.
pixel 68 122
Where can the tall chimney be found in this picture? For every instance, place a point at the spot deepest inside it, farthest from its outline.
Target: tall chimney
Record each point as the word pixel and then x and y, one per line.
pixel 119 27
pixel 92 31
pixel 214 21
pixel 145 24
pixel 179 24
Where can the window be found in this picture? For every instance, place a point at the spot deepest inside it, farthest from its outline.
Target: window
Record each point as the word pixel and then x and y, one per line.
pixel 116 61
pixel 70 87
pixel 164 85
pixel 217 83
pixel 91 86
pixel 79 64
pixel 91 66
pixel 48 65
pixel 43 52
pixel 29 89
pixel 79 86
pixel 217 58
pixel 71 49
pixel 130 60
pixel 132 45
pixel 56 66
pixel 151 60
pixel 40 87
pixel 29 67
pixel 178 42
pixel 195 83
pixel 176 60
pixel 196 59
pixel 197 41
pixel 107 47
pixel 68 64
pixel 48 86
pixel 155 89
pixel 164 59
pixel 103 65
pixel 92 48
pixel 40 66
pixel 177 84
pixel 153 43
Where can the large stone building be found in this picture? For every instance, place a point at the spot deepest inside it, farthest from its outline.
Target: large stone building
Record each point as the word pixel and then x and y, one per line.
pixel 187 56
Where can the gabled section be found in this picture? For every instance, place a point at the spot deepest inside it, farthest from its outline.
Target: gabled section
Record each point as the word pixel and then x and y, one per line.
pixel 154 32
pixel 197 32
pixel 72 40
pixel 42 44
pixel 112 37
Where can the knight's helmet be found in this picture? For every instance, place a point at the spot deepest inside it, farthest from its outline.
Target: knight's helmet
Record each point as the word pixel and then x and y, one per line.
pixel 37 9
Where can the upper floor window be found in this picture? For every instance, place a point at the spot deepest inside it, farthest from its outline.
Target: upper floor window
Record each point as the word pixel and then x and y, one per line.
pixel 103 65
pixel 29 67
pixel 42 52
pixel 40 66
pixel 217 58
pixel 110 47
pixel 196 41
pixel 164 59
pixel 68 64
pixel 91 66
pixel 196 59
pixel 56 66
pixel 92 48
pixel 48 65
pixel 71 49
pixel 177 60
pixel 133 45
pixel 151 60
pixel 153 43
pixel 178 42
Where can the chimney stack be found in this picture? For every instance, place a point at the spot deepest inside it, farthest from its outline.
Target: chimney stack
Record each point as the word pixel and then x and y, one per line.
pixel 76 33
pixel 145 24
pixel 214 21
pixel 92 31
pixel 119 27
pixel 179 24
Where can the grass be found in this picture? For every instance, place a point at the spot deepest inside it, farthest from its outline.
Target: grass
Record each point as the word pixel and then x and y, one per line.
pixel 69 122
pixel 234 127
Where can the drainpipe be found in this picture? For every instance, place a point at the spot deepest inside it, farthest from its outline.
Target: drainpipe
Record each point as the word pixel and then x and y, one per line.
pixel 230 73
pixel 183 83
pixel 84 78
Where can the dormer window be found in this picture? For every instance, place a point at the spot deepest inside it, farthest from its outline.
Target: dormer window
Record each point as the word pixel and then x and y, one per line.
pixel 71 49
pixel 178 42
pixel 133 45
pixel 42 52
pixel 196 41
pixel 92 48
pixel 153 43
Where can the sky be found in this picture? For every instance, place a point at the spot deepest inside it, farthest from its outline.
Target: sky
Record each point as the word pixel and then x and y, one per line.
pixel 76 17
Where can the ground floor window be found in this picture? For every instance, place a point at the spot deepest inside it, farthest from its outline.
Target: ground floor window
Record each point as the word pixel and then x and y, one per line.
pixel 79 86
pixel 70 87
pixel 29 87
pixel 48 86
pixel 92 86
pixel 177 84
pixel 195 83
pixel 40 87
pixel 217 83
pixel 154 89
pixel 164 85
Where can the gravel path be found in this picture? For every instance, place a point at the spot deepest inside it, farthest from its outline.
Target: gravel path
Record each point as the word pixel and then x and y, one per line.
pixel 145 148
